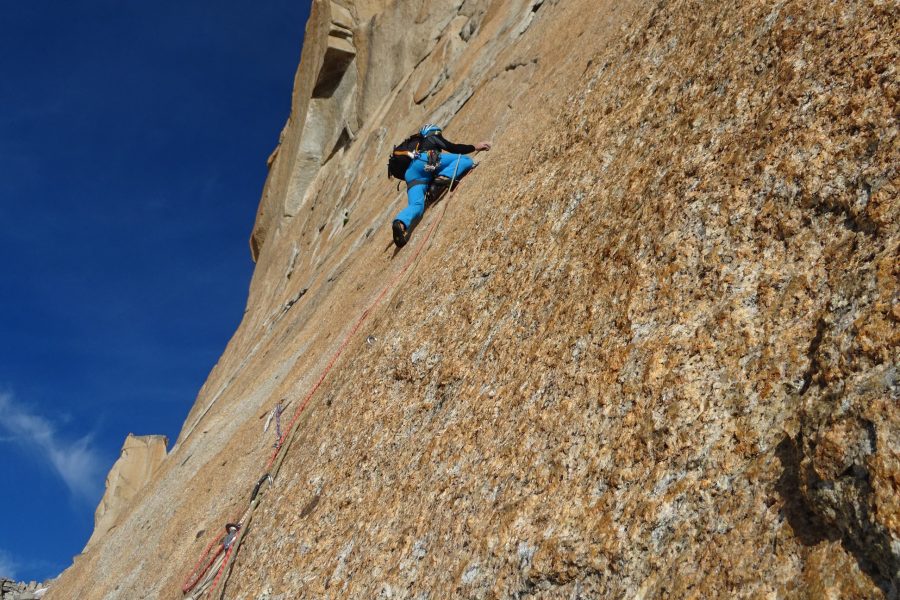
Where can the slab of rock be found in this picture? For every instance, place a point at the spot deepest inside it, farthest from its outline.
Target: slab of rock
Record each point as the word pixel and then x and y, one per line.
pixel 139 459
pixel 649 351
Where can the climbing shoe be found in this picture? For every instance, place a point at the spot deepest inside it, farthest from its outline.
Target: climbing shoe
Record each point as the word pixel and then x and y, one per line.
pixel 436 190
pixel 399 230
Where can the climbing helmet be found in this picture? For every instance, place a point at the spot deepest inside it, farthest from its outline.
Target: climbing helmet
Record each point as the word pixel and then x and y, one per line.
pixel 429 129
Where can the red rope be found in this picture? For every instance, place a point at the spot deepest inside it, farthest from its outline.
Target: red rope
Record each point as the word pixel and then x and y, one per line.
pixel 302 406
pixel 222 568
pixel 362 319
pixel 191 580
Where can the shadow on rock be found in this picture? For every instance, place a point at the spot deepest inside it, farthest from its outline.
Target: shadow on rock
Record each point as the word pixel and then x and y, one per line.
pixel 808 526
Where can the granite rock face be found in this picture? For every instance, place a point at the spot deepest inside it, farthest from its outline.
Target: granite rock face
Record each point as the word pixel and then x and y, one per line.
pixel 141 455
pixel 650 350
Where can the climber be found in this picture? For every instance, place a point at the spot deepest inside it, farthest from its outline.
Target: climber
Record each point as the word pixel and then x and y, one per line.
pixel 433 158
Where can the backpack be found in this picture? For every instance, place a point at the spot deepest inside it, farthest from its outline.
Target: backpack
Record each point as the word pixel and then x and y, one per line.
pixel 401 157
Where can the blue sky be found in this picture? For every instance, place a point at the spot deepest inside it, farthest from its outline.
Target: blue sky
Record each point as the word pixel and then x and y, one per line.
pixel 133 140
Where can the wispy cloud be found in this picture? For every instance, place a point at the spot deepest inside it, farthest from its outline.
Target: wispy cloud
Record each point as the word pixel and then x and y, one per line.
pixel 75 462
pixel 7 566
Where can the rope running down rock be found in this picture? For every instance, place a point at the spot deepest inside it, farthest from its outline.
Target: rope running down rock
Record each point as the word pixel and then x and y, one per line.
pixel 213 567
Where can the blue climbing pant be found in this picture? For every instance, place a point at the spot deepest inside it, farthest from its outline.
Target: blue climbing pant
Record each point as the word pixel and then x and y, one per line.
pixel 415 194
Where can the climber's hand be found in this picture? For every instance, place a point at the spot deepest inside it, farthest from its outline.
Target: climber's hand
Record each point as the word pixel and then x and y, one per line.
pixel 483 146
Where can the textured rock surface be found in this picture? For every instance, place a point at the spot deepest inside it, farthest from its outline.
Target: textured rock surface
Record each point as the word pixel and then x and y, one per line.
pixel 141 455
pixel 650 352
pixel 19 590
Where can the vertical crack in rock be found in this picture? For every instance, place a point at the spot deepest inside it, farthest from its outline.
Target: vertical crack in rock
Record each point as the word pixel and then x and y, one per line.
pixel 810 373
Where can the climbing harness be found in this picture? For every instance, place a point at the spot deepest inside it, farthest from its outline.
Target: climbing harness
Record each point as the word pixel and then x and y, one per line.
pixel 415 182
pixel 215 563
pixel 434 160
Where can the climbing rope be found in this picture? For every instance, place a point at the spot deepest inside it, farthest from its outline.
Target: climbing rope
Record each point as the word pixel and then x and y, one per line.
pixel 215 562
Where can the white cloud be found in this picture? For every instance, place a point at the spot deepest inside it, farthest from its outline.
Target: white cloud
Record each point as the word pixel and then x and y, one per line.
pixel 7 566
pixel 75 462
